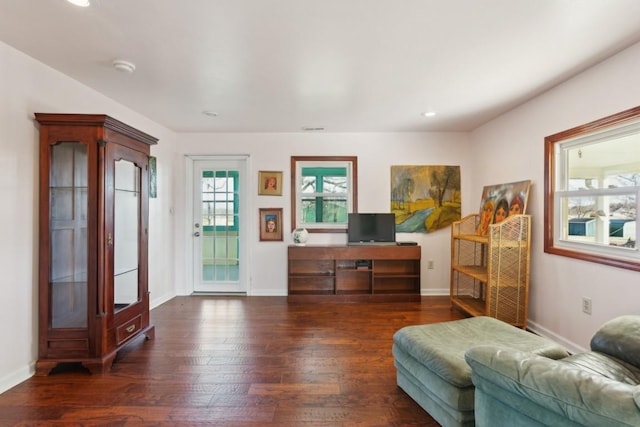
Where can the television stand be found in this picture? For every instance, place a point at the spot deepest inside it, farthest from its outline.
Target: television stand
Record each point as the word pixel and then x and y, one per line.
pixel 354 272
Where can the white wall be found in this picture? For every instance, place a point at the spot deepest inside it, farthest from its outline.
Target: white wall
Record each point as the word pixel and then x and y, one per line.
pixel 511 148
pixel 376 154
pixel 28 86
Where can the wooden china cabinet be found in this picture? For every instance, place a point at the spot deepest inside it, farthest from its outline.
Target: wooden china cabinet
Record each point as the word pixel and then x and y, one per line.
pixel 94 189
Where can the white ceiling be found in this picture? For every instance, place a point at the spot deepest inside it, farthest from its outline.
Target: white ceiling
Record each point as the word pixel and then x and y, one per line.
pixel 343 65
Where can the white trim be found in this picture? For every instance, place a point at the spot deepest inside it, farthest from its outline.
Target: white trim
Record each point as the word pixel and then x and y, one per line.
pixel 246 225
pixel 16 377
pixel 349 194
pixel 570 346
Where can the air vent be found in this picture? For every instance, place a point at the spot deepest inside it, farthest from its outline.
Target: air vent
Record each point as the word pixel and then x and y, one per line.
pixel 312 129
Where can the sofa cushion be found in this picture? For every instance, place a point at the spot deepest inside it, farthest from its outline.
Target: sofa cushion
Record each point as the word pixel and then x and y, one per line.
pixel 584 398
pixel 457 398
pixel 606 366
pixel 440 347
pixel 620 338
pixel 636 396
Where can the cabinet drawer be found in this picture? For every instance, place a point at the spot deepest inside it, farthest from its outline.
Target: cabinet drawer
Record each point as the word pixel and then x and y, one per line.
pixel 127 330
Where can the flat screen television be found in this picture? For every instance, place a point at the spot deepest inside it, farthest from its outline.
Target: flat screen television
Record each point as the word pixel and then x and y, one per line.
pixel 371 229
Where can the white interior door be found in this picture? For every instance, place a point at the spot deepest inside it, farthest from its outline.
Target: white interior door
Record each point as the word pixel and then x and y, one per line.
pixel 218 226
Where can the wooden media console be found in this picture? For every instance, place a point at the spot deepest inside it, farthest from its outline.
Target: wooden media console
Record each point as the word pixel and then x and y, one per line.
pixel 385 272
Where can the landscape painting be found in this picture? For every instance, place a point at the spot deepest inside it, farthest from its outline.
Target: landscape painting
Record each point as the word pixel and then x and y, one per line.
pixel 425 198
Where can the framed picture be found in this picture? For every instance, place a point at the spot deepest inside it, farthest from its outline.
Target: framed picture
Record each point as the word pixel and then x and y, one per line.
pixel 269 183
pixel 153 177
pixel 270 224
pixel 500 201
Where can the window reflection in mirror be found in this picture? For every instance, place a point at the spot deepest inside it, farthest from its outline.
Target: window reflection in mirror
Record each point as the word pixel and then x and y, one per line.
pixel 592 185
pixel 324 191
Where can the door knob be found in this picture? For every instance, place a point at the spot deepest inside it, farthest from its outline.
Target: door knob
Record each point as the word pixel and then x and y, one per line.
pixel 196 234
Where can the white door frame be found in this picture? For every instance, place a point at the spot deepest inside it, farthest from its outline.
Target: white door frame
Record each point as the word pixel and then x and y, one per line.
pixel 245 229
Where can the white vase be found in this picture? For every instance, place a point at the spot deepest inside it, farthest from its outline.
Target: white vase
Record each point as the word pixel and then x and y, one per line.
pixel 300 236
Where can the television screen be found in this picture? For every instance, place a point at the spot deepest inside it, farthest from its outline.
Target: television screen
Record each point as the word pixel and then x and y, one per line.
pixel 371 228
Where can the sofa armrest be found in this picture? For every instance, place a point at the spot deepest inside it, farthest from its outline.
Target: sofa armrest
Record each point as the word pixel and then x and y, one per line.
pixel 620 338
pixel 569 392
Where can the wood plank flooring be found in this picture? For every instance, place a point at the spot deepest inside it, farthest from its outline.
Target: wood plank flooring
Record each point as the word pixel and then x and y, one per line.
pixel 241 361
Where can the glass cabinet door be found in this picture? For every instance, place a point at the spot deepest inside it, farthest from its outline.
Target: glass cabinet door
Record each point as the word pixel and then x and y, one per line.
pixel 68 235
pixel 126 233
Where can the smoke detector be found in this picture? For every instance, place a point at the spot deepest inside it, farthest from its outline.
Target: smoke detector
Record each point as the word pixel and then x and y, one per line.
pixel 124 66
pixel 81 3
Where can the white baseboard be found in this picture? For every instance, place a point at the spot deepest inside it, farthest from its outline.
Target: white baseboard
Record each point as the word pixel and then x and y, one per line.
pixel 570 346
pixel 155 302
pixel 435 292
pixel 267 293
pixel 16 377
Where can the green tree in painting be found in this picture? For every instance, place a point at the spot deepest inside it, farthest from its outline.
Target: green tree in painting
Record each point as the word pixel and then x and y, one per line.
pixel 443 178
pixel 403 193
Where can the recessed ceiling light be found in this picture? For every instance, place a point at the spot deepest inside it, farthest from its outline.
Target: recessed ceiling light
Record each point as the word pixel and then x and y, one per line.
pixel 124 66
pixel 428 113
pixel 210 113
pixel 81 3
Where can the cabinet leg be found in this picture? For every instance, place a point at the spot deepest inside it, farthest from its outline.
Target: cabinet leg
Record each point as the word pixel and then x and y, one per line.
pixel 44 367
pixel 150 332
pixel 100 366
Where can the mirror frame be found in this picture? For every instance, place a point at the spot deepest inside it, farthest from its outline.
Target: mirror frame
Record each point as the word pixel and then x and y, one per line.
pixel 294 187
pixel 549 188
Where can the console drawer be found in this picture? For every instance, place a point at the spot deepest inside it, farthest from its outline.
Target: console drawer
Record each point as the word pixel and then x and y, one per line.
pixel 127 330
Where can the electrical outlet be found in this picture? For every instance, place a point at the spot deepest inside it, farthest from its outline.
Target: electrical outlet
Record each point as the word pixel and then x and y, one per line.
pixel 430 264
pixel 586 305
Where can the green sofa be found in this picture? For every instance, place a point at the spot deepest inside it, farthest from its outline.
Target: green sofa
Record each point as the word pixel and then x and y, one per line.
pixel 431 368
pixel 598 388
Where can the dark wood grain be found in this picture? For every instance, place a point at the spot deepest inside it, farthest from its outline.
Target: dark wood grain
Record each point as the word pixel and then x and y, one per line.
pixel 241 361
pixel 80 319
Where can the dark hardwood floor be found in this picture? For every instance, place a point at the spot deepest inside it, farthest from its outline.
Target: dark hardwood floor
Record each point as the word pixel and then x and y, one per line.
pixel 241 361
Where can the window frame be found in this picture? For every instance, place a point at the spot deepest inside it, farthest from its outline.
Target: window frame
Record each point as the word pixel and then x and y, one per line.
pixel 556 172
pixel 300 162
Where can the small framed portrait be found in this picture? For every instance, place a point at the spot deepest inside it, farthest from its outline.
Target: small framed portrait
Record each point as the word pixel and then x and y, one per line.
pixel 270 183
pixel 270 224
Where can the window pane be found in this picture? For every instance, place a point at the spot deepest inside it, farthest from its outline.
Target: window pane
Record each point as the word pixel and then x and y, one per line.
pixel 308 184
pixel 308 210
pixel 219 199
pixel 334 209
pixel 223 185
pixel 604 220
pixel 334 184
pixel 623 180
pixel 583 184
